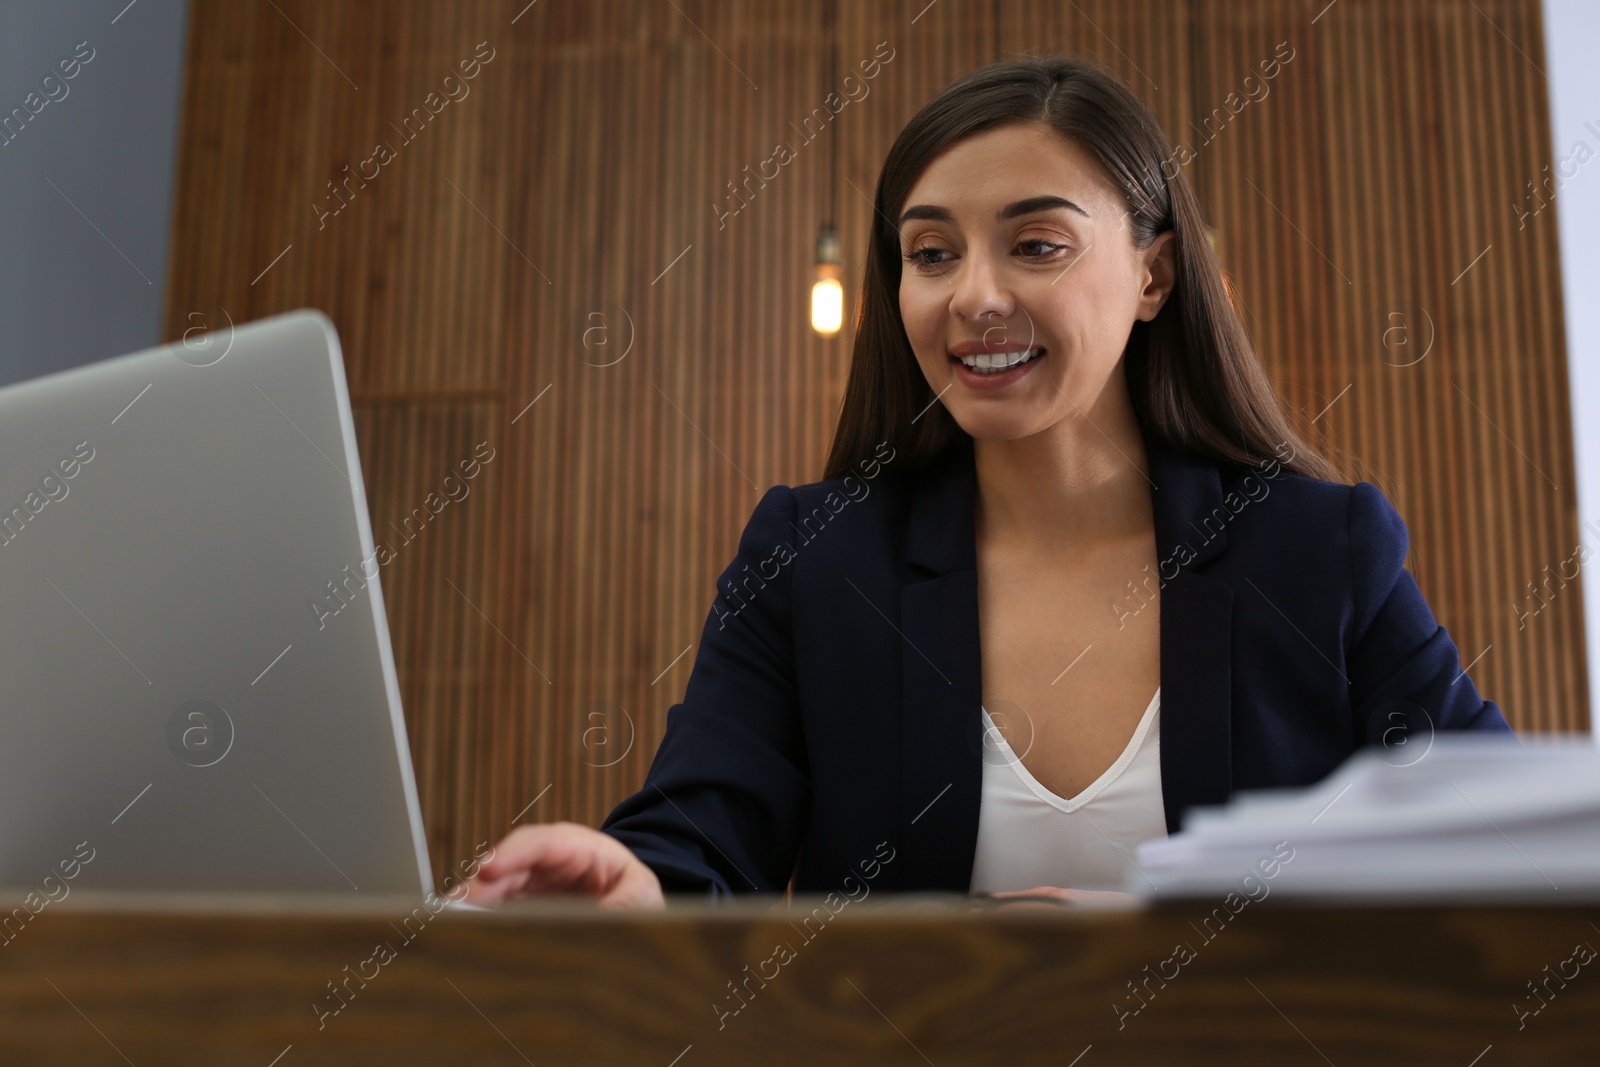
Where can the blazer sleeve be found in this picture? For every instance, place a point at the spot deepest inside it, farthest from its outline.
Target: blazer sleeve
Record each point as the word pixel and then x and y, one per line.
pixel 725 802
pixel 1405 673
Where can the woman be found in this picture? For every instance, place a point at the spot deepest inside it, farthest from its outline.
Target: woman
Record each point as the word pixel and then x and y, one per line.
pixel 1070 572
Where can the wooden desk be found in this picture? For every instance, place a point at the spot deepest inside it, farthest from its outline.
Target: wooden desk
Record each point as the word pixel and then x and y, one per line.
pixel 914 981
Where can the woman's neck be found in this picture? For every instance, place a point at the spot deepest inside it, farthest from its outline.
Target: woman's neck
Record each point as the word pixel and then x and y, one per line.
pixel 1082 482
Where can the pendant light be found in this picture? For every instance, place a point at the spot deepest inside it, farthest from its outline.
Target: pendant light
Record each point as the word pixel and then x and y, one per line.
pixel 827 289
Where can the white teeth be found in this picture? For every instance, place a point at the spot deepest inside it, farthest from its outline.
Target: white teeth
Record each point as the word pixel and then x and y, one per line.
pixel 991 362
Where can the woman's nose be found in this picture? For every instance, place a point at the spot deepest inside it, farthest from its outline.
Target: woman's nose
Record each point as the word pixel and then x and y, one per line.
pixel 980 292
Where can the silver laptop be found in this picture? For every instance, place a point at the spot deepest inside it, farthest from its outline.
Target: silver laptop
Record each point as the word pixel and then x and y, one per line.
pixel 197 690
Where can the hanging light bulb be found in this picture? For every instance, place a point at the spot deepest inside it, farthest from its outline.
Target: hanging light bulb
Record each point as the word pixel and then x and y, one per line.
pixel 827 293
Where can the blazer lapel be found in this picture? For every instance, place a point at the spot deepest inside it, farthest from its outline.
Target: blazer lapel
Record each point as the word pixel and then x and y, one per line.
pixel 1196 632
pixel 942 690
pixel 941 693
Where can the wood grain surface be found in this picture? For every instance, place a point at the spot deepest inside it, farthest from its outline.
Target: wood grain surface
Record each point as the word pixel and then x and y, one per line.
pixel 924 980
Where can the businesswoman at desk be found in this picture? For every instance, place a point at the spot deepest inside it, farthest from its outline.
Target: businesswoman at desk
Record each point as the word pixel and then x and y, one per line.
pixel 1070 572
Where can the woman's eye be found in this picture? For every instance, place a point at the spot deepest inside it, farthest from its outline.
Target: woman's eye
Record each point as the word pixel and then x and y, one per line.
pixel 1032 248
pixel 1038 241
pixel 919 256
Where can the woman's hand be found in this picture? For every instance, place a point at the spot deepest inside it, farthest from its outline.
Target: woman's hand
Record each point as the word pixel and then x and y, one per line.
pixel 565 857
pixel 1087 897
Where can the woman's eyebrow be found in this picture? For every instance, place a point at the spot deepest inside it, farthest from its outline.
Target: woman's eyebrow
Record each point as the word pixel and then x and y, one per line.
pixel 1010 211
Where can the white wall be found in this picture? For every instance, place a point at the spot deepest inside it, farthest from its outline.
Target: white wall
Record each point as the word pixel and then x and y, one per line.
pixel 1572 34
pixel 80 287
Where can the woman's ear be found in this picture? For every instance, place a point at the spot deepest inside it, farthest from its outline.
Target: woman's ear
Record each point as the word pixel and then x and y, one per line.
pixel 1160 274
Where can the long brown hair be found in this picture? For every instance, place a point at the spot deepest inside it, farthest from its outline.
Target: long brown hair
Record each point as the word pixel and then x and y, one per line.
pixel 1192 373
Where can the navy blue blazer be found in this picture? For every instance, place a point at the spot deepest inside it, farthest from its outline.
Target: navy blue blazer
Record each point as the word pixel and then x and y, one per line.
pixel 831 725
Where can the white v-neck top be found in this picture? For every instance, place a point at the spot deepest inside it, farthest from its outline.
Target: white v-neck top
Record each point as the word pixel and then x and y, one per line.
pixel 1029 836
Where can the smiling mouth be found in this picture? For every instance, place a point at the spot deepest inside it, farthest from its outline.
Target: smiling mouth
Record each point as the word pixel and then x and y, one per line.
pixel 998 362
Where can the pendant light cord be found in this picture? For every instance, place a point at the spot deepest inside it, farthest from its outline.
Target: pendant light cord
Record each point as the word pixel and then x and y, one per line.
pixel 831 20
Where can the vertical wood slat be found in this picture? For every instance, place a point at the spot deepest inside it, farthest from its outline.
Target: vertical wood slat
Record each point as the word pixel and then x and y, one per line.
pixel 597 146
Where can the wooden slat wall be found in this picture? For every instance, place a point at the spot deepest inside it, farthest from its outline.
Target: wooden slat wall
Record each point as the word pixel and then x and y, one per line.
pixel 566 212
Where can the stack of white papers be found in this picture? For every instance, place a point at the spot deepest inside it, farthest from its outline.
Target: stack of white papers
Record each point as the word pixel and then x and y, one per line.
pixel 1471 817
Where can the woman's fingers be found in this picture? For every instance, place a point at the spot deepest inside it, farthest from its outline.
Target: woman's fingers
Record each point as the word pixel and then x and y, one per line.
pixel 485 891
pixel 638 887
pixel 526 846
pixel 1051 891
pixel 1066 896
pixel 530 859
pixel 565 857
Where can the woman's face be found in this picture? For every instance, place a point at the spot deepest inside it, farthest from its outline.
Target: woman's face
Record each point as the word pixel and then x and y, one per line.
pixel 1020 243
